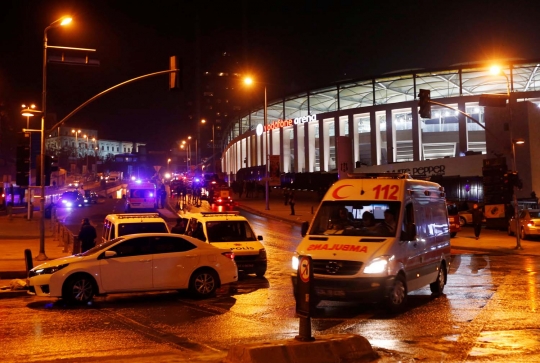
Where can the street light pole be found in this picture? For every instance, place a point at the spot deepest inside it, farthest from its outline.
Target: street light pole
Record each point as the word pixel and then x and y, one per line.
pixel 267 185
pixel 60 22
pixel 28 113
pixel 497 71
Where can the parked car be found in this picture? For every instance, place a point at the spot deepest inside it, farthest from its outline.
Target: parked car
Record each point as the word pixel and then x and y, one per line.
pixel 71 199
pixel 90 197
pixel 465 217
pixel 529 223
pixel 136 263
pixel 453 218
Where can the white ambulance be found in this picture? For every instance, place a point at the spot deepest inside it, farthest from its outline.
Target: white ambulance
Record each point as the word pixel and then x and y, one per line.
pixel 141 196
pixel 376 237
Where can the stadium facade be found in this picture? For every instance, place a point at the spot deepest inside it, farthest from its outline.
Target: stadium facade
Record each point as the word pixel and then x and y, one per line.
pixel 384 132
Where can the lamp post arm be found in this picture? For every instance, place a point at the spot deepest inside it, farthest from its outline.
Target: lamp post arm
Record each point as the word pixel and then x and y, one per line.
pixel 109 90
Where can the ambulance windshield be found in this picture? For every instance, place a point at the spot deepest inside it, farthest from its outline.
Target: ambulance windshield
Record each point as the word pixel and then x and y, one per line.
pixel 357 218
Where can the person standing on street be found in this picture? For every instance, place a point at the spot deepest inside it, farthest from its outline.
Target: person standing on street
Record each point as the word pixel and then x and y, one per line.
pixel 87 235
pixel 292 202
pixel 477 217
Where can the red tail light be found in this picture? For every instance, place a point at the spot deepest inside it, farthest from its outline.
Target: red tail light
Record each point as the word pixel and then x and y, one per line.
pixel 229 255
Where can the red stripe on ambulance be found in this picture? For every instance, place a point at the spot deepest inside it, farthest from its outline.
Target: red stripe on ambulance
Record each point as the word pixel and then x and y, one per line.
pixel 337 247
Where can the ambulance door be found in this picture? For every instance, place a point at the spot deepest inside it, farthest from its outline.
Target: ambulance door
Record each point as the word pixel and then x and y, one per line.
pixel 415 246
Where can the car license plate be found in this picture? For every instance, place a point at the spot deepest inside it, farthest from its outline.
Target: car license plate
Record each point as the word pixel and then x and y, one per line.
pixel 246 265
pixel 328 292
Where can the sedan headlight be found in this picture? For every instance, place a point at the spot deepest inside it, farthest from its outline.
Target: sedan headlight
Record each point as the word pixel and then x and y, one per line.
pixel 49 270
pixel 378 265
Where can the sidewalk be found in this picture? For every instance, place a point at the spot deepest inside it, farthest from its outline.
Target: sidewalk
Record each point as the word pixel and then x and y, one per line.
pixel 19 234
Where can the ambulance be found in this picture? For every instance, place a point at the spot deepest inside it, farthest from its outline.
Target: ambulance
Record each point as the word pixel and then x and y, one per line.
pixel 375 238
pixel 141 196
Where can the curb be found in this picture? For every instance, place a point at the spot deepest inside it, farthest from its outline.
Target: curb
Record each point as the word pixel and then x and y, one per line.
pixel 9 294
pixel 326 348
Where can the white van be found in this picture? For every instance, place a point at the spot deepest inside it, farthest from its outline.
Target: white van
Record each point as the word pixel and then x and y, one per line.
pixel 116 225
pixel 404 247
pixel 141 196
pixel 232 231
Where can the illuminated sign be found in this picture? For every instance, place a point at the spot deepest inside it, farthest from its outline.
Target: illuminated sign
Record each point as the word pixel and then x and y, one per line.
pixel 278 124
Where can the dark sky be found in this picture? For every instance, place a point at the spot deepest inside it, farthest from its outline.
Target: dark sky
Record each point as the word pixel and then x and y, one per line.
pixel 291 45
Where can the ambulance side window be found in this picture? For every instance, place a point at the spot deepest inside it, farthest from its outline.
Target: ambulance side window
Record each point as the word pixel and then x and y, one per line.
pixel 408 231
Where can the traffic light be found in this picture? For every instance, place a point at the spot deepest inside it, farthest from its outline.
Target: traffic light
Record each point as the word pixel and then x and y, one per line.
pixel 175 80
pixel 424 103
pixel 495 184
pixel 23 159
pixel 48 169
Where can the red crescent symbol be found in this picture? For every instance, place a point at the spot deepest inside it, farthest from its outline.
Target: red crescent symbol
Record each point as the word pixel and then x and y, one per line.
pixel 335 193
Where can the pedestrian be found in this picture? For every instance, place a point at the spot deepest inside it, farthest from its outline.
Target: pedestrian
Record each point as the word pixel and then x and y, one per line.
pixel 180 227
pixel 477 217
pixel 286 196
pixel 9 209
pixel 292 202
pixel 87 235
pixel 163 195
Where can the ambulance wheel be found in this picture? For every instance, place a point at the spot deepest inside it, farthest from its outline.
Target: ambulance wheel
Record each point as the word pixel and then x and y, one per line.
pixel 437 287
pixel 260 271
pixel 397 296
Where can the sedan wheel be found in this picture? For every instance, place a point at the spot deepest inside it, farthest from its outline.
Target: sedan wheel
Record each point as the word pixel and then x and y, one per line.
pixel 79 289
pixel 203 283
pixel 462 221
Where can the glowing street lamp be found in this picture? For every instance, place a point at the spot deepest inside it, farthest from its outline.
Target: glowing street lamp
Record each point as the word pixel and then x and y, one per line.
pixel 60 22
pixel 76 132
pixel 203 121
pixel 249 81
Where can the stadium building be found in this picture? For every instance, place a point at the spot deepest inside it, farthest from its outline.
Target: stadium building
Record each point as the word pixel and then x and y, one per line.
pixel 373 125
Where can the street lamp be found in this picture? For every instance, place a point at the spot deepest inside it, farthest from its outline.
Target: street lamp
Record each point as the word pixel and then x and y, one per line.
pixel 168 164
pixel 196 152
pixel 249 81
pixel 29 112
pixel 76 132
pixel 497 71
pixel 203 121
pixel 60 22
pixel 187 155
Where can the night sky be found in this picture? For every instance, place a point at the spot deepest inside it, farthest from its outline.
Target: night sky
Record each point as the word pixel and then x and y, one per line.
pixel 290 45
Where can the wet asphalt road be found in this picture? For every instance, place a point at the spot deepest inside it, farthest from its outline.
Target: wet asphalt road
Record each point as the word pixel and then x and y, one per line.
pixel 489 313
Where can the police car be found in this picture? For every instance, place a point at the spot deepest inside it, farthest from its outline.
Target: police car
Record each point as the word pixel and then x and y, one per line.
pixel 232 231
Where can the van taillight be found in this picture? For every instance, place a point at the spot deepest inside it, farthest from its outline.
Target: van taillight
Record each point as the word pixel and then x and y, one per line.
pixel 229 255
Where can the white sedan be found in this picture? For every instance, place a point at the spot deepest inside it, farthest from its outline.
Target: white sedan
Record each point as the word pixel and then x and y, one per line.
pixel 136 263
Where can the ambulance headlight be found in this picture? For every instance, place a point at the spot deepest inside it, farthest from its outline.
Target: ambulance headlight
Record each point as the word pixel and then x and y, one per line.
pixel 377 266
pixel 295 262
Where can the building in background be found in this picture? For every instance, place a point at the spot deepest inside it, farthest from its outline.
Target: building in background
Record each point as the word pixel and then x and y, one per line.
pixel 379 117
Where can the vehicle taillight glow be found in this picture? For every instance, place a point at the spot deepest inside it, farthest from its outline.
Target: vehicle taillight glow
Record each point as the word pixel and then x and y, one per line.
pixel 229 255
pixel 530 224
